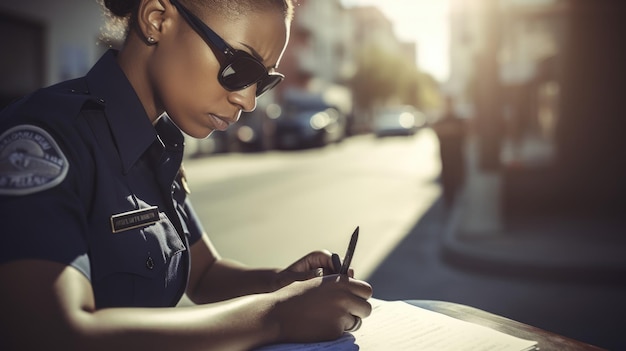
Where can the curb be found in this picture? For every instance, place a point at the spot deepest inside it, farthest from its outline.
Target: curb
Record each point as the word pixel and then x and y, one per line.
pixel 535 257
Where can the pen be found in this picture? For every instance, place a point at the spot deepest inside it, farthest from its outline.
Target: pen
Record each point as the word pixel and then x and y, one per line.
pixel 347 260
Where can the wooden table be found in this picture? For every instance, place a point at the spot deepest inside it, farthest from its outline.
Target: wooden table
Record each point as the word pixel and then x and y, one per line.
pixel 547 341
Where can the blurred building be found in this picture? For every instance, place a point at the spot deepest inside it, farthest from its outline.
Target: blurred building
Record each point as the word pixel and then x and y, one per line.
pixel 321 45
pixel 373 27
pixel 319 60
pixel 51 41
pixel 325 39
pixel 503 74
pixel 520 37
pixel 44 42
pixel 541 82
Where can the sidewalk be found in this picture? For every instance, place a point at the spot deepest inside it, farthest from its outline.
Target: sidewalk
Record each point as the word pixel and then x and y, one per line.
pixel 475 237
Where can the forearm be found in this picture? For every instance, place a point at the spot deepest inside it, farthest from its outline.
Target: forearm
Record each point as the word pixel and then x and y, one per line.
pixel 53 306
pixel 238 324
pixel 228 279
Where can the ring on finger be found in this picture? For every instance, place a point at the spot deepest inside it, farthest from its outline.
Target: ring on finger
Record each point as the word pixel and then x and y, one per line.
pixel 357 324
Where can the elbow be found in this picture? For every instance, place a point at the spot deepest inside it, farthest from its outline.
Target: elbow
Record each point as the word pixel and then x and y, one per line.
pixel 39 332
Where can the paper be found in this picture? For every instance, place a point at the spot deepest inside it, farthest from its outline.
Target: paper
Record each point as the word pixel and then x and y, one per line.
pixel 400 326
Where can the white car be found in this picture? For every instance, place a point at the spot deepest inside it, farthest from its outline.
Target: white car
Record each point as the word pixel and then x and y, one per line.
pixel 399 120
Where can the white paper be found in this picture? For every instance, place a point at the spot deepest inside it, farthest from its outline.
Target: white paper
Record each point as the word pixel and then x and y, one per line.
pixel 400 326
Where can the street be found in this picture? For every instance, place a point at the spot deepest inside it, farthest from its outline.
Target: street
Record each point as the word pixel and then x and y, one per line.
pixel 269 209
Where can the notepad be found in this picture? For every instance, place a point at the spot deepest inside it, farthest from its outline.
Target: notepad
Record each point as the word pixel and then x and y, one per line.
pixel 397 325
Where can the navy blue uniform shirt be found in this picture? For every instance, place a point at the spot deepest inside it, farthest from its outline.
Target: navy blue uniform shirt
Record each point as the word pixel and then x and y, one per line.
pixel 86 180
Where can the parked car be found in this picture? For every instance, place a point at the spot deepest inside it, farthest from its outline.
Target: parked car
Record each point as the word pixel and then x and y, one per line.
pixel 398 120
pixel 309 122
pixel 255 131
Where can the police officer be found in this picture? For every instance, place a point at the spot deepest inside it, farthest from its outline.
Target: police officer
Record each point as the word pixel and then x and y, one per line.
pixel 99 239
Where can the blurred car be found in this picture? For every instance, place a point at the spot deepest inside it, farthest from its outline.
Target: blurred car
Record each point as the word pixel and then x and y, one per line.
pixel 309 122
pixel 255 131
pixel 398 120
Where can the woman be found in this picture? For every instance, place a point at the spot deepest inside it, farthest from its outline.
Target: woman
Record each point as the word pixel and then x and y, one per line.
pixel 99 239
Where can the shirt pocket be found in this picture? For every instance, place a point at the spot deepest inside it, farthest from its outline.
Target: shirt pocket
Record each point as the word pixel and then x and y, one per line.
pixel 138 267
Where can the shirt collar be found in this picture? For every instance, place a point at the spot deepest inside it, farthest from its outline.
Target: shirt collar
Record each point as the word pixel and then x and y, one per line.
pixel 131 128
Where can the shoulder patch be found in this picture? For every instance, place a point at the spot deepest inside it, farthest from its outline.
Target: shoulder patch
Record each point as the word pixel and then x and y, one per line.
pixel 30 161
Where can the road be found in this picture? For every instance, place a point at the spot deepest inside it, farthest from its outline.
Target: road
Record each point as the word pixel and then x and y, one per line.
pixel 269 209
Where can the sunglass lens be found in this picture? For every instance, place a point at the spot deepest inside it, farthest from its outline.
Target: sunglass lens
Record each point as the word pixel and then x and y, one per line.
pixel 244 71
pixel 241 73
pixel 269 82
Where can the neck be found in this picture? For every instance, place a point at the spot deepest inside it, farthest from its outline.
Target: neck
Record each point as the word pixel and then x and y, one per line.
pixel 133 59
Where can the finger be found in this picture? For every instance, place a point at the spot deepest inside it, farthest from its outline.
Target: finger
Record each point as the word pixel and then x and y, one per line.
pixel 314 260
pixel 336 263
pixel 360 288
pixel 356 324
pixel 361 308
pixel 320 259
pixel 328 272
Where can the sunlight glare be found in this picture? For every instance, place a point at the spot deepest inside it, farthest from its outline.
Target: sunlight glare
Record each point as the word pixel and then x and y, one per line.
pixel 422 21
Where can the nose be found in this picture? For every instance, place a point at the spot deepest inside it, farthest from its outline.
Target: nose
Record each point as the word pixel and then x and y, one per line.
pixel 245 98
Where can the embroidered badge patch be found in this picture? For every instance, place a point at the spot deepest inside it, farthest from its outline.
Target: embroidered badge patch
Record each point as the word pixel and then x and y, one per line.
pixel 30 161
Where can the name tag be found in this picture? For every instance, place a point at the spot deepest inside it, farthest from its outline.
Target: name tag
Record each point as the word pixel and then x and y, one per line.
pixel 134 219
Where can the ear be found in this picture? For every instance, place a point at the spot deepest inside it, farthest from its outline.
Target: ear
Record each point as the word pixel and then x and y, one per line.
pixel 151 16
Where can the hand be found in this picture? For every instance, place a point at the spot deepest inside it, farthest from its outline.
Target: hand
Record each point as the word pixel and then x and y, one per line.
pixel 315 264
pixel 321 308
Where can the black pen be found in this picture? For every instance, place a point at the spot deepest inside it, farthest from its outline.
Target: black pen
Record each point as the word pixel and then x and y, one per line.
pixel 347 260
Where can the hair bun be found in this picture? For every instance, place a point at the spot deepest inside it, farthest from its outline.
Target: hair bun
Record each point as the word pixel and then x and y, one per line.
pixel 121 8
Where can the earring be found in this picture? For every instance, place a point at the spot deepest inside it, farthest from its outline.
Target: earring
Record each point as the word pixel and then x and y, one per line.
pixel 151 40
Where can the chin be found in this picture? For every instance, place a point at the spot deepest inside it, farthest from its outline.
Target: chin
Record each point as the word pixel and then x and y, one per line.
pixel 206 135
pixel 198 133
pixel 202 135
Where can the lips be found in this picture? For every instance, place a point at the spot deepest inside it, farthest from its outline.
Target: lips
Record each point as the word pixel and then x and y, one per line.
pixel 219 123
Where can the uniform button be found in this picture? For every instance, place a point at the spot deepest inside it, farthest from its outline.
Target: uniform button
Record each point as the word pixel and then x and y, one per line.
pixel 101 101
pixel 149 263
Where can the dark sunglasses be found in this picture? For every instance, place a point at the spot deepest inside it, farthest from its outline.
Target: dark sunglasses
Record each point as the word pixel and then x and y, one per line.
pixel 238 69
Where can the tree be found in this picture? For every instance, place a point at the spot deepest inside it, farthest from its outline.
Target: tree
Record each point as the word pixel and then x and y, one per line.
pixel 384 76
pixel 374 79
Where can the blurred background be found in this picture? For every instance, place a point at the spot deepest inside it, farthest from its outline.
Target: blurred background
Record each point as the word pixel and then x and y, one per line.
pixel 479 145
